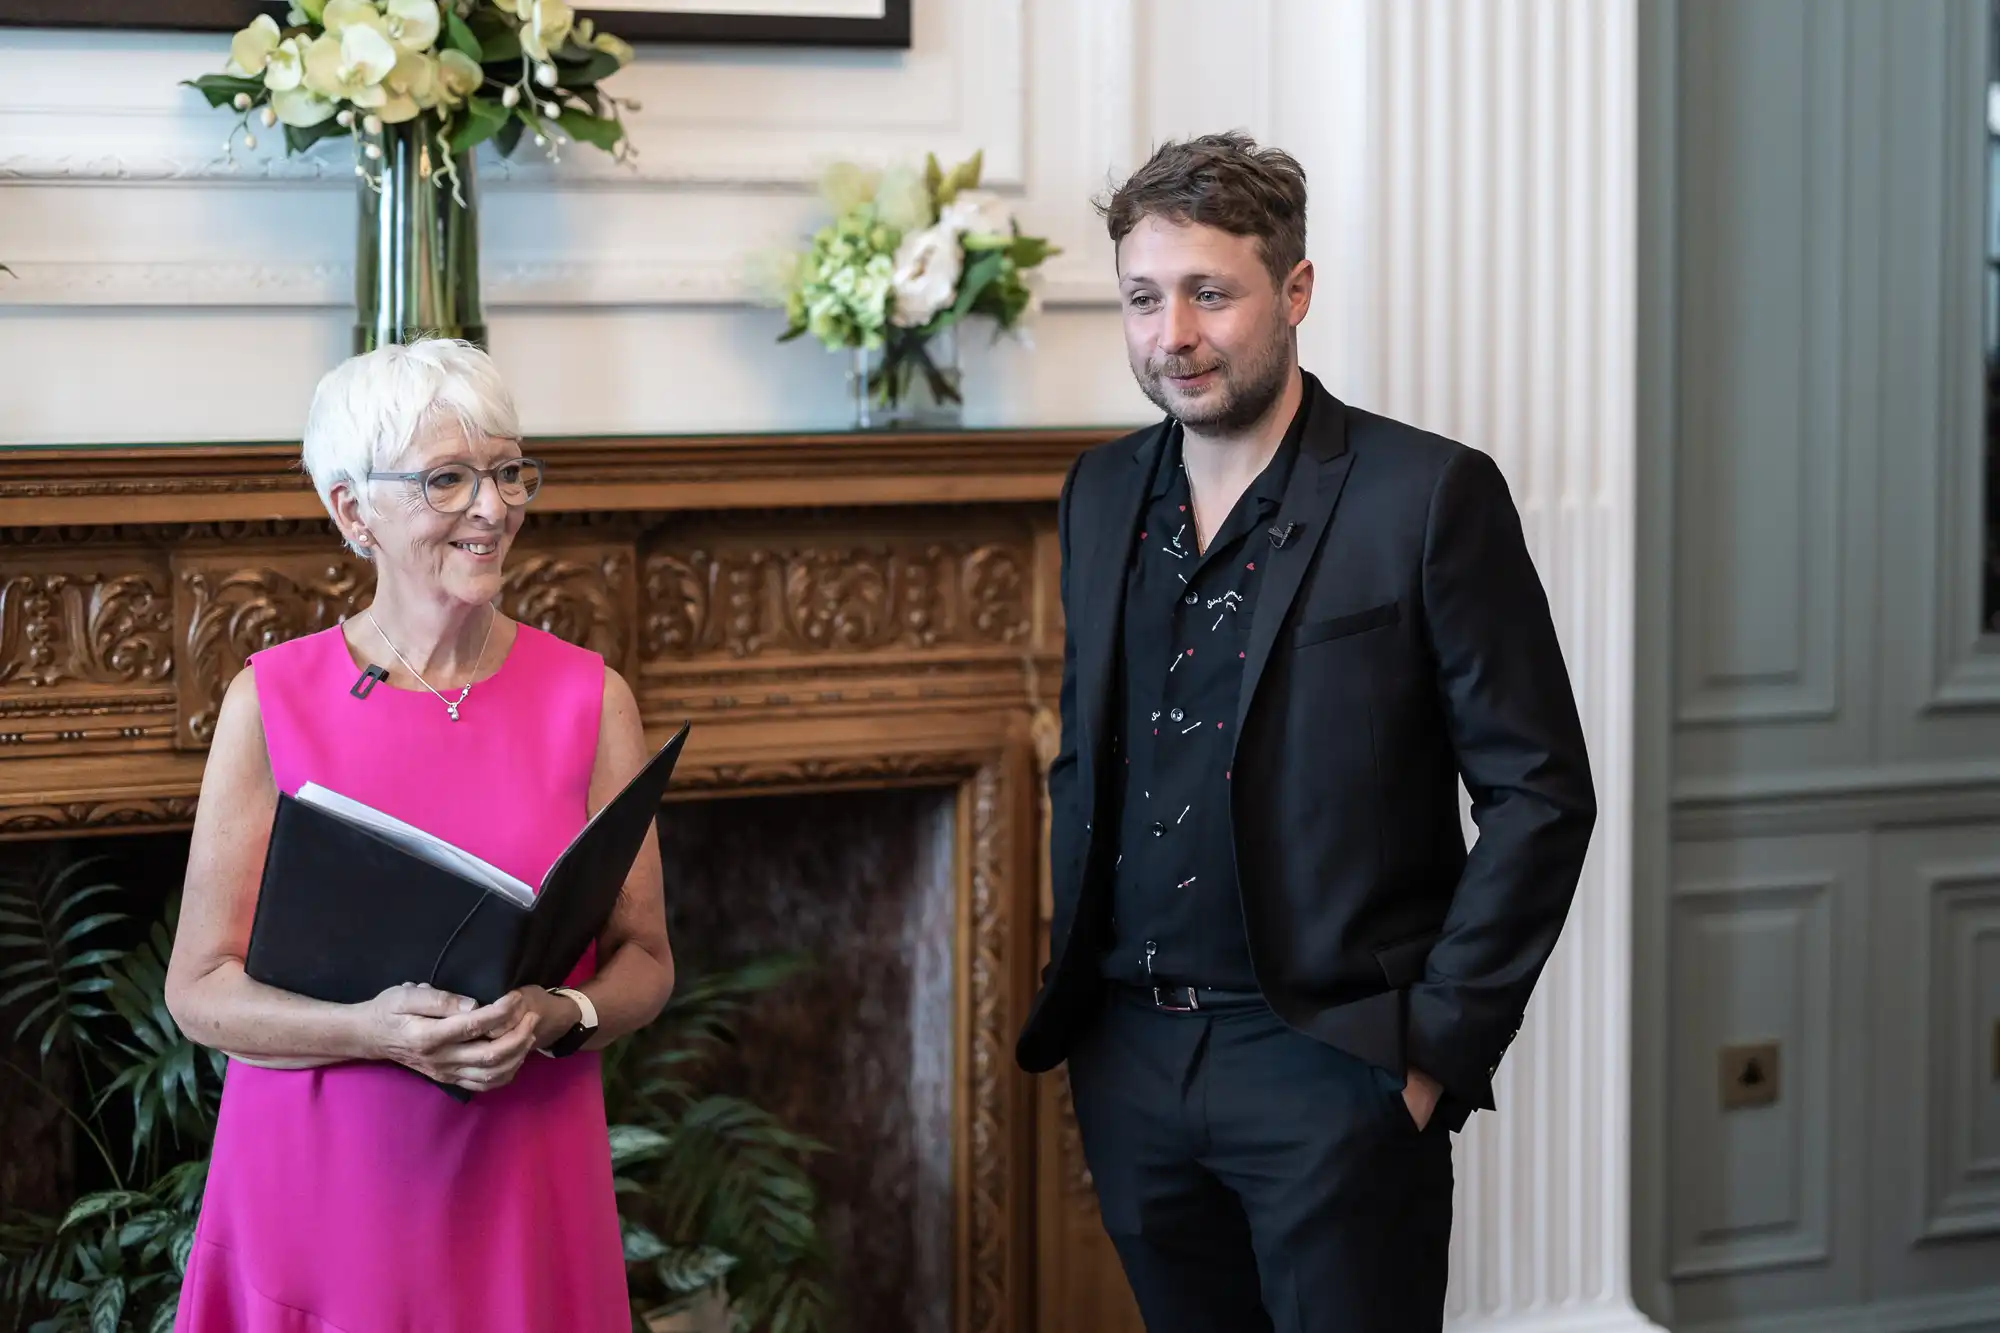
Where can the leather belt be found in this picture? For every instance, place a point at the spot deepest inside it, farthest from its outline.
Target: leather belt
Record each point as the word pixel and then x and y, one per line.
pixel 1194 999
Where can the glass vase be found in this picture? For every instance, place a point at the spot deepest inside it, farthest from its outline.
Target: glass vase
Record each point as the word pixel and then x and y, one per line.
pixel 910 381
pixel 416 269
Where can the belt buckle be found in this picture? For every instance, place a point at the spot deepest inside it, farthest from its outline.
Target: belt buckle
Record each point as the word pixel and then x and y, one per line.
pixel 1193 1004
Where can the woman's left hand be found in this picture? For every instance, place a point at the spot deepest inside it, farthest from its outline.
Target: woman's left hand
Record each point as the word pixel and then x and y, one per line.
pixel 554 1014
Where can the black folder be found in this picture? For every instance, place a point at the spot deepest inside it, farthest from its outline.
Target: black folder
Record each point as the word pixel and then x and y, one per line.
pixel 344 912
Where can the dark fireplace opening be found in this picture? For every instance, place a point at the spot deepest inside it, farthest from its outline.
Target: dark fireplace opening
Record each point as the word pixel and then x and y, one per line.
pixel 854 1050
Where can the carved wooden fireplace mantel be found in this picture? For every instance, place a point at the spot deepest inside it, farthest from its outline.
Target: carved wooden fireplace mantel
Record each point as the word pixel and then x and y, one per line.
pixel 830 611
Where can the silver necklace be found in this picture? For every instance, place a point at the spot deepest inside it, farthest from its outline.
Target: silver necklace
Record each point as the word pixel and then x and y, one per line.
pixel 451 705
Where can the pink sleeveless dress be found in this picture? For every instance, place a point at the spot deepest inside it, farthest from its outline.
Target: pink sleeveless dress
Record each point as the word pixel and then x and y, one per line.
pixel 357 1198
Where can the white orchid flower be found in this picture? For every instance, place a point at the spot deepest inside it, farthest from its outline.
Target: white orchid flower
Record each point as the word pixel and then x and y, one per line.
pixel 413 86
pixel 459 77
pixel 351 67
pixel 612 46
pixel 414 24
pixel 302 107
pixel 287 69
pixel 545 26
pixel 250 50
pixel 340 15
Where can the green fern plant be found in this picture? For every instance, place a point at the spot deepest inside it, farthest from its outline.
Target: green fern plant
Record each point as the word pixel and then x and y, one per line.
pixel 713 1190
pixel 114 1260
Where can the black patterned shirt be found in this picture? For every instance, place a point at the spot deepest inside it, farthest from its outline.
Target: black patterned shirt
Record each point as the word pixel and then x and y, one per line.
pixel 1186 629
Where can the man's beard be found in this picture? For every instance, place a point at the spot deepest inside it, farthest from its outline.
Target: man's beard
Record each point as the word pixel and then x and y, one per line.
pixel 1241 395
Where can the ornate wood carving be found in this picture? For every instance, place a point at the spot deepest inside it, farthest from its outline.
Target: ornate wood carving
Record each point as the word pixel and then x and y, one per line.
pixel 819 599
pixel 85 625
pixel 232 607
pixel 582 594
pixel 97 816
pixel 989 1057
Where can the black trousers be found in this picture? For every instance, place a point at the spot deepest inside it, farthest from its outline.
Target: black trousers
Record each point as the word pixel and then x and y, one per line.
pixel 1256 1179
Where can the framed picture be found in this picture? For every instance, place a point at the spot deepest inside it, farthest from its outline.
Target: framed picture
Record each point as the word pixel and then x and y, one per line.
pixel 877 23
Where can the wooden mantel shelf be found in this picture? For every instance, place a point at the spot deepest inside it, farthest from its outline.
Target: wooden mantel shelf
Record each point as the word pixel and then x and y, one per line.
pixel 224 482
pixel 829 610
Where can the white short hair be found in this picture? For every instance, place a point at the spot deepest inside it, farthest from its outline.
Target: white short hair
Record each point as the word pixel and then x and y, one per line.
pixel 369 409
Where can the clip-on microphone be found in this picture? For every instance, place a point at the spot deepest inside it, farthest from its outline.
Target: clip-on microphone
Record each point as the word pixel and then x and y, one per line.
pixel 366 681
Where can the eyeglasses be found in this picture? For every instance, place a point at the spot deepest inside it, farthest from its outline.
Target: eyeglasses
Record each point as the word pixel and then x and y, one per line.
pixel 452 488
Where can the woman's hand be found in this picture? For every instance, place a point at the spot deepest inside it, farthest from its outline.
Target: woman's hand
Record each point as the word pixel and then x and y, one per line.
pixel 554 1015
pixel 447 1038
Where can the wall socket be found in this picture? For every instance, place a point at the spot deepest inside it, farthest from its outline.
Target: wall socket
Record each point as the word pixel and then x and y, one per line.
pixel 1749 1074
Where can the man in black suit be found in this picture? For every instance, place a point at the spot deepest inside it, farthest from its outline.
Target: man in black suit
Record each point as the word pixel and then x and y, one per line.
pixel 1277 974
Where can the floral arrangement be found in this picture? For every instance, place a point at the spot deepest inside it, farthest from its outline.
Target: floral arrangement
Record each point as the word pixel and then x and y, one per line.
pixel 907 256
pixel 483 69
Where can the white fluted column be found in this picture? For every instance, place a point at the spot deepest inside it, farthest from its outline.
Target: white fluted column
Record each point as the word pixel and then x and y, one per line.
pixel 1499 310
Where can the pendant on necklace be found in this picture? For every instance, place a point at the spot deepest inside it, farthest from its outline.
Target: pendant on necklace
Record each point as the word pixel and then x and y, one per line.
pixel 452 708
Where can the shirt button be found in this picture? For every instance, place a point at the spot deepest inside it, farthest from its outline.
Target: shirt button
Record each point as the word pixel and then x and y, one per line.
pixel 1177 715
pixel 1192 598
pixel 1159 829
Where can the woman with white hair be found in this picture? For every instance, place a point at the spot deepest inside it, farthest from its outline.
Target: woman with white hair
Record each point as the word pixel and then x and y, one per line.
pixel 344 1195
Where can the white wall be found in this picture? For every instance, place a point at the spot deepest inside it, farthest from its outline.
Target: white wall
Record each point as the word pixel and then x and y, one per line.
pixel 1829 701
pixel 1473 168
pixel 616 297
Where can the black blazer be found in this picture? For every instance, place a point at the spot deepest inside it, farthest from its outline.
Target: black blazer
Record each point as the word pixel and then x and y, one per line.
pixel 1401 640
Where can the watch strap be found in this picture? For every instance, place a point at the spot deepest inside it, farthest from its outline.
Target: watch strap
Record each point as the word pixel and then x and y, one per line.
pixel 572 1041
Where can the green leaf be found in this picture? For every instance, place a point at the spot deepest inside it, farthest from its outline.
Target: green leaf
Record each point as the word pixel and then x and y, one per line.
pixel 104 1201
pixel 163 1317
pixel 593 130
pixel 601 65
pixel 23 989
pixel 502 47
pixel 182 1247
pixel 982 271
pixel 484 118
pixel 509 137
pixel 88 924
pixel 933 175
pixel 144 1227
pixel 634 1143
pixel 691 1268
pixel 459 37
pixel 964 176
pixel 1028 251
pixel 107 1306
pixel 641 1244
pixel 221 89
pixel 299 138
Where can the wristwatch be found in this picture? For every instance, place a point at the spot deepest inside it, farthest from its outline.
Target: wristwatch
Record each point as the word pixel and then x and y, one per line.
pixel 572 1041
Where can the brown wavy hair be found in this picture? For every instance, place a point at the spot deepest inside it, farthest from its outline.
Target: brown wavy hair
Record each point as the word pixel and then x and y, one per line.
pixel 1224 181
